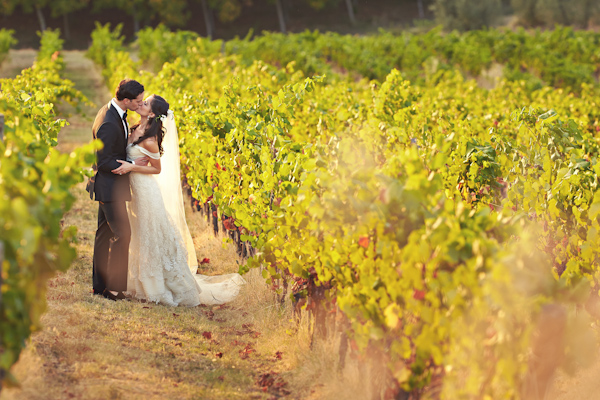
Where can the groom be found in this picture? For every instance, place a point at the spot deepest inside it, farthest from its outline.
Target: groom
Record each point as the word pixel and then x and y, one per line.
pixel 111 191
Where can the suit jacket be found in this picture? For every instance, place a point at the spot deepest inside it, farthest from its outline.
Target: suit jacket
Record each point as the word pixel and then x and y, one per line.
pixel 106 186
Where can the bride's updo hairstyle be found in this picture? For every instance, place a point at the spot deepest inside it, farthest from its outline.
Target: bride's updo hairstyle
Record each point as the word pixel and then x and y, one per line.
pixel 159 107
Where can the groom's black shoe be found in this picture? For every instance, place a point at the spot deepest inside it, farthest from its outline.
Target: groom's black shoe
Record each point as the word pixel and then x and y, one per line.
pixel 119 296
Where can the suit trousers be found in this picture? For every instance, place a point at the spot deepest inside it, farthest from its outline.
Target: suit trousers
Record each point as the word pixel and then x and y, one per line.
pixel 111 247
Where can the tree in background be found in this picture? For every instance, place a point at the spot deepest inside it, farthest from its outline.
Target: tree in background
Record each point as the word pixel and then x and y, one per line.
pixel 284 7
pixel 525 10
pixel 64 8
pixel 453 14
pixel 170 12
pixel 209 18
pixel 8 7
pixel 229 10
pixel 282 14
pixel 467 14
pixel 226 10
pixel 351 6
pixel 579 13
pixel 421 9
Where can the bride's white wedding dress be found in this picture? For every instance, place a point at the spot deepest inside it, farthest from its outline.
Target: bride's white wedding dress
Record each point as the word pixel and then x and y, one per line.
pixel 162 259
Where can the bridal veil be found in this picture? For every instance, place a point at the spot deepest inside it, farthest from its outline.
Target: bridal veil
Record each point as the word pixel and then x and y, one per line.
pixel 214 289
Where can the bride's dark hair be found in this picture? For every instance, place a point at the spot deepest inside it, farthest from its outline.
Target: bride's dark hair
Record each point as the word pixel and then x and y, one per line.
pixel 159 106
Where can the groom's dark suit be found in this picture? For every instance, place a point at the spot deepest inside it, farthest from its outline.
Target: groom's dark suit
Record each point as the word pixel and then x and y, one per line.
pixel 111 248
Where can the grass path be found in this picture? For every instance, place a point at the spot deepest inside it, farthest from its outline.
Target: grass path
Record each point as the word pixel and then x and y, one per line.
pixel 88 80
pixel 17 61
pixel 92 348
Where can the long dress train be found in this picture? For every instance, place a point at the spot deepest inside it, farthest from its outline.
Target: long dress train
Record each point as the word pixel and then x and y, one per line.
pixel 160 269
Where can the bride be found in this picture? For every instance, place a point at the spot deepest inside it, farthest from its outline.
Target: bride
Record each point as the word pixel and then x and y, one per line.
pixel 162 259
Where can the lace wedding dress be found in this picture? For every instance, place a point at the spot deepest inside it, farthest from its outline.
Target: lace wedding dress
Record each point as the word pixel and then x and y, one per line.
pixel 162 259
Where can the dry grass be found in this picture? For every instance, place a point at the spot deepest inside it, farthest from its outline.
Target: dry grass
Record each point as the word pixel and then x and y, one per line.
pixel 92 348
pixel 17 61
pixel 585 384
pixel 88 80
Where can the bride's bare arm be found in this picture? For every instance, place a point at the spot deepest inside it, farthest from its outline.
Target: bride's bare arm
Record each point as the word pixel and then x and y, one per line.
pixel 153 166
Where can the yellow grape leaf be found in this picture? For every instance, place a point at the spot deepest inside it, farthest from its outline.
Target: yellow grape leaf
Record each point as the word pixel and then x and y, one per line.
pixel 391 315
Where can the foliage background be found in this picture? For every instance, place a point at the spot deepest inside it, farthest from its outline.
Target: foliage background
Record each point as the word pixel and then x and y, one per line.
pixel 225 19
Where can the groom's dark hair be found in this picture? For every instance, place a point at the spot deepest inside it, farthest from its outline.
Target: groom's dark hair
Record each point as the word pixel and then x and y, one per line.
pixel 129 89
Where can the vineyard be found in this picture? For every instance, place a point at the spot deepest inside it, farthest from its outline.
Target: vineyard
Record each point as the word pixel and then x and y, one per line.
pixel 35 185
pixel 430 199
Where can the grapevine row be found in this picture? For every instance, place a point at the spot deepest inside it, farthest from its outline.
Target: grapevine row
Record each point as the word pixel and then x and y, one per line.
pixel 438 220
pixel 35 183
pixel 7 41
pixel 561 57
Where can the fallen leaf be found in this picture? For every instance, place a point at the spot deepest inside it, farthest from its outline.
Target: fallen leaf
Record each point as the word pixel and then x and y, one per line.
pixel 272 382
pixel 207 335
pixel 246 351
pixel 219 355
pixel 266 380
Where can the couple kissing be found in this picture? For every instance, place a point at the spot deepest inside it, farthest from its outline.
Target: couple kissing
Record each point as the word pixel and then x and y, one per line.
pixel 143 248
